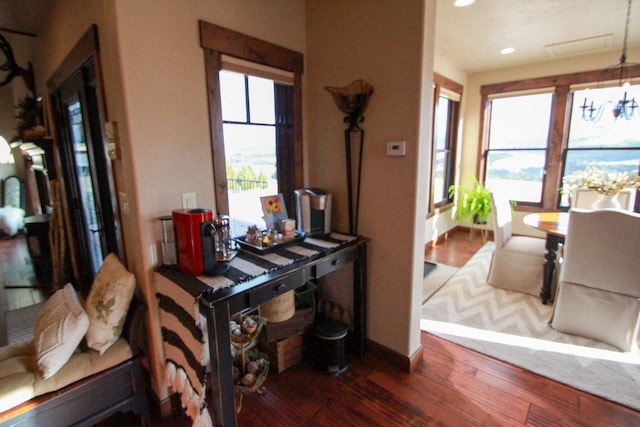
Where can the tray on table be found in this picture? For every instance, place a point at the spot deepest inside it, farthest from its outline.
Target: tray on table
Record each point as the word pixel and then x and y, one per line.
pixel 241 241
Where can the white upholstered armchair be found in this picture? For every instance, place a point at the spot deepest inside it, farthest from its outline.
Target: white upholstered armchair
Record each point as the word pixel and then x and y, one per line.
pixel 517 260
pixel 598 294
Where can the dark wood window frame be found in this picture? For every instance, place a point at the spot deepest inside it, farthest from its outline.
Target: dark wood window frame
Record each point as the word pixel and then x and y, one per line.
pixel 216 41
pixel 452 137
pixel 559 127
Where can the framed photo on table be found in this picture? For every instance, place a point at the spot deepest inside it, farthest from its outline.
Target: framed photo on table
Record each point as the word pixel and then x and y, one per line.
pixel 274 210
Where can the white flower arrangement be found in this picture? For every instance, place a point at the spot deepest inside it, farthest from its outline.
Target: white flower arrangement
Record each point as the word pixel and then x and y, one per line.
pixel 602 182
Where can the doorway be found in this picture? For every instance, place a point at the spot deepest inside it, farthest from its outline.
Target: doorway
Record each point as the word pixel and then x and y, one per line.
pixel 89 189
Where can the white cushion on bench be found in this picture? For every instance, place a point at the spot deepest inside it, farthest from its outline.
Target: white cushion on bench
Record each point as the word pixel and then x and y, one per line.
pixel 21 381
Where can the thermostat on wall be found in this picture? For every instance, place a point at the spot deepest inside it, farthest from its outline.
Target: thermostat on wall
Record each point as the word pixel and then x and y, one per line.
pixel 396 148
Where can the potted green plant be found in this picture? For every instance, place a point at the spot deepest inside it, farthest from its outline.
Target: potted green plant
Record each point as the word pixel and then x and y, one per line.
pixel 473 202
pixel 30 118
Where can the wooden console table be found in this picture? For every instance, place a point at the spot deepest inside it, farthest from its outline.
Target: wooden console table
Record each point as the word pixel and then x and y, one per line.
pixel 219 305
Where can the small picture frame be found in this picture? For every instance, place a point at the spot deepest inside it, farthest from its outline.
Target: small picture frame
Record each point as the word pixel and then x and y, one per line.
pixel 274 210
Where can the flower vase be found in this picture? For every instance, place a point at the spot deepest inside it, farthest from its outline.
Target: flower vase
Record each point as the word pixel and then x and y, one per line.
pixel 607 201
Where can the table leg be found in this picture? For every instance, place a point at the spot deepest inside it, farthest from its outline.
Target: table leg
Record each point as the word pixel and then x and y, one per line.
pixel 222 393
pixel 549 265
pixel 360 301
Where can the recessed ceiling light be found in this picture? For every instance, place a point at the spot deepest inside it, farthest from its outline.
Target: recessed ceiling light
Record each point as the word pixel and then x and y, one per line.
pixel 462 3
pixel 507 51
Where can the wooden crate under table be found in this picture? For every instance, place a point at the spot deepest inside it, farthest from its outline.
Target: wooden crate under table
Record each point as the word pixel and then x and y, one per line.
pixel 284 353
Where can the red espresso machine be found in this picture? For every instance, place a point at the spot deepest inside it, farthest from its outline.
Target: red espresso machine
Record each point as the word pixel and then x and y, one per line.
pixel 188 234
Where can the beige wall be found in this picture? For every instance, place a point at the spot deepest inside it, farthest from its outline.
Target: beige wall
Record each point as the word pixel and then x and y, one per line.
pixel 382 43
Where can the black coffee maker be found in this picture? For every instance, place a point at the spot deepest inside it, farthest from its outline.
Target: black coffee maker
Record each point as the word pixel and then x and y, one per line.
pixel 313 207
pixel 211 267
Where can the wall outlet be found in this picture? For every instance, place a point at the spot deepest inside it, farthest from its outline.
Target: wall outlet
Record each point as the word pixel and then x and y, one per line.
pixel 188 200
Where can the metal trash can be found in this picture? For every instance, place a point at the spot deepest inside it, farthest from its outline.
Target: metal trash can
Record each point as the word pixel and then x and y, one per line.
pixel 330 336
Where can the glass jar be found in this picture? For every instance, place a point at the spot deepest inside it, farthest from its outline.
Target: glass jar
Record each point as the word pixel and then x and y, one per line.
pixel 168 241
pixel 222 238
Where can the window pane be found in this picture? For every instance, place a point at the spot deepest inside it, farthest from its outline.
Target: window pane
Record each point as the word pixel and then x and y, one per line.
pixel 606 143
pixel 444 150
pixel 251 170
pixel 442 124
pixel 518 139
pixel 606 129
pixel 517 174
pixel 520 121
pixel 606 132
pixel 232 96
pixel 440 187
pixel 261 100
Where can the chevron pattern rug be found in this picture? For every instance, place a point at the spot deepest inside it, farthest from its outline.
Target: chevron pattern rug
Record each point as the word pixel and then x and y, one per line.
pixel 436 277
pixel 514 327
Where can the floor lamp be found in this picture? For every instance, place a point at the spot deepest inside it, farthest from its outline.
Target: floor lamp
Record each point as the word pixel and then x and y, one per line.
pixel 352 100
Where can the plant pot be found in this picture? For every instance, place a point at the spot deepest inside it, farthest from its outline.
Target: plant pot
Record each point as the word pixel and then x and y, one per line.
pixel 477 221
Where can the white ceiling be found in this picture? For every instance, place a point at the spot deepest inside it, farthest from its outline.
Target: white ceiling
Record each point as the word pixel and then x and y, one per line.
pixel 472 37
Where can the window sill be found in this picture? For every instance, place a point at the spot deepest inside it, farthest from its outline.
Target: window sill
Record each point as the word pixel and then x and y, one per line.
pixel 439 210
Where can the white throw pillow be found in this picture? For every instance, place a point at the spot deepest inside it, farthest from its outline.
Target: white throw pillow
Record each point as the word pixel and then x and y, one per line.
pixel 108 303
pixel 59 329
pixel 11 220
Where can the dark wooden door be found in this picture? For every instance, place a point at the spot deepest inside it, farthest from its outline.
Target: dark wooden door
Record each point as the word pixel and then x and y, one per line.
pixel 85 171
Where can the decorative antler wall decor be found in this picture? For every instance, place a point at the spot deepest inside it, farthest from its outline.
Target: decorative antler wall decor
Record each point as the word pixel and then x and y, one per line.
pixel 353 101
pixel 12 69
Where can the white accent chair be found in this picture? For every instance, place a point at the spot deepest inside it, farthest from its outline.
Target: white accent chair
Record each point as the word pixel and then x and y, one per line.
pixel 517 261
pixel 584 198
pixel 598 293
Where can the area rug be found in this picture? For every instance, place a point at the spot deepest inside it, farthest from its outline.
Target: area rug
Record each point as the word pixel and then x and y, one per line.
pixel 514 327
pixel 435 276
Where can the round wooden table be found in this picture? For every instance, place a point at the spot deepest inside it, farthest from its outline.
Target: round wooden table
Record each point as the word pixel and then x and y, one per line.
pixel 555 224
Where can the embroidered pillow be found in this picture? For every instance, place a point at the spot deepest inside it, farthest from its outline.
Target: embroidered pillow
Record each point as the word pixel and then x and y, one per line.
pixel 108 303
pixel 59 329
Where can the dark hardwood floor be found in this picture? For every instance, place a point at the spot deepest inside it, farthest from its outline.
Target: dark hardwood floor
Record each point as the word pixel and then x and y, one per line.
pixel 453 386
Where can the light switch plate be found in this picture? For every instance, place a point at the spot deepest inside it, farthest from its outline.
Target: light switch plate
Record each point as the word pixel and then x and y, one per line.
pixel 396 148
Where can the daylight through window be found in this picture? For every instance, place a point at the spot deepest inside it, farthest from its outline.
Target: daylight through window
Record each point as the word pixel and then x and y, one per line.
pixel 534 135
pixel 248 115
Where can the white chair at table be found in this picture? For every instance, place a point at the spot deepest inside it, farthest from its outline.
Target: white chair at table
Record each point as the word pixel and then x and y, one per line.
pixel 584 198
pixel 598 293
pixel 517 261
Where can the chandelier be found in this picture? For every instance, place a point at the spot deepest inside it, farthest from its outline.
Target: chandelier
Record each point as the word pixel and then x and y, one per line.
pixel 625 107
